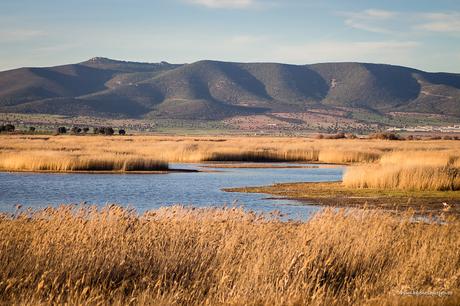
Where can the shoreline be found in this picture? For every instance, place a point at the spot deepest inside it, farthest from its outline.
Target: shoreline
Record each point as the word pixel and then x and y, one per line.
pixel 103 171
pixel 270 165
pixel 333 194
pixel 203 167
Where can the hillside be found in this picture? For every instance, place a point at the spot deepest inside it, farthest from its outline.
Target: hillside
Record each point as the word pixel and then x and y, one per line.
pixel 217 90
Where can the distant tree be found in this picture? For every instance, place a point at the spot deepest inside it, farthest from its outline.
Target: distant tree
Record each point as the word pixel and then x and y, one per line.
pixel 32 129
pixel 10 128
pixel 85 130
pixel 61 130
pixel 75 130
pixel 385 136
pixel 319 136
pixel 352 136
pixel 334 136
pixel 104 130
pixel 7 128
pixel 108 131
pixel 121 132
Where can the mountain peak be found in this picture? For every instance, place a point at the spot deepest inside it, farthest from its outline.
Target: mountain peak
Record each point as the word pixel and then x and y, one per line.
pixel 215 90
pixel 100 59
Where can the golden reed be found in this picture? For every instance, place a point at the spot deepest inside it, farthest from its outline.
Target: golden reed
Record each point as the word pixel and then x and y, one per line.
pixel 419 165
pixel 228 148
pixel 176 255
pixel 408 170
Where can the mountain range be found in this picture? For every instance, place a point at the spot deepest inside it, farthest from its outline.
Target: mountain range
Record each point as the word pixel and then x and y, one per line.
pixel 209 90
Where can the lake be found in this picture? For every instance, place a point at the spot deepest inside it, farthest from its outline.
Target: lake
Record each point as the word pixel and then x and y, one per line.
pixel 150 191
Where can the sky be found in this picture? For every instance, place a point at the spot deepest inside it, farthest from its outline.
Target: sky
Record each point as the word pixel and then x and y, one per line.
pixel 423 34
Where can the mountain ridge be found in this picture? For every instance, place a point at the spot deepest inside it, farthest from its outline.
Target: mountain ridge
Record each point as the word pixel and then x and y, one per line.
pixel 209 90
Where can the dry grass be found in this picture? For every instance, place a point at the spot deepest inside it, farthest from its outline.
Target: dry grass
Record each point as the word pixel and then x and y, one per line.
pixel 409 170
pixel 419 165
pixel 405 178
pixel 69 154
pixel 53 162
pixel 335 194
pixel 198 149
pixel 176 255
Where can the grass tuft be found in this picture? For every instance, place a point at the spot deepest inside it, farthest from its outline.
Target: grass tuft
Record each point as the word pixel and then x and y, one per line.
pixel 177 255
pixel 419 170
pixel 62 163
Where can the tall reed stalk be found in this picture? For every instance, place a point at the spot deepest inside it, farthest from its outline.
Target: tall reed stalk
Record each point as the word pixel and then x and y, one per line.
pixel 177 255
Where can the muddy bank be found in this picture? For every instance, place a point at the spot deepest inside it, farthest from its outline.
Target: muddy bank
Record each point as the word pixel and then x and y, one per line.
pixel 336 195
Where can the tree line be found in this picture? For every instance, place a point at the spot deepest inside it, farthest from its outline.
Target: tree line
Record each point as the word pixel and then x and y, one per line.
pixel 107 130
pixel 7 128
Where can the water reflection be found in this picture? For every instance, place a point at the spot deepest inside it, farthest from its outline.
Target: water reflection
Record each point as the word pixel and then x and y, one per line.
pixel 145 192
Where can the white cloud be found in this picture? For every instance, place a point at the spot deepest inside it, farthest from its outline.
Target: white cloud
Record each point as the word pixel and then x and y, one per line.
pixel 18 35
pixel 379 14
pixel 440 22
pixel 360 25
pixel 247 39
pixel 397 23
pixel 235 4
pixel 371 20
pixel 375 51
pixel 54 48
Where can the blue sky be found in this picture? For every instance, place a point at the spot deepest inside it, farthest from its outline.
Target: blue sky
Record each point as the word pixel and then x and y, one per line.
pixel 418 33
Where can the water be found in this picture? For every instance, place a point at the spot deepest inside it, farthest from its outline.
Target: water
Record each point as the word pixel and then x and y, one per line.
pixel 149 191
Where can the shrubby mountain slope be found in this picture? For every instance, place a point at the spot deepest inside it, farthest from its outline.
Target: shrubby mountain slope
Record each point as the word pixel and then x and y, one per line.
pixel 216 90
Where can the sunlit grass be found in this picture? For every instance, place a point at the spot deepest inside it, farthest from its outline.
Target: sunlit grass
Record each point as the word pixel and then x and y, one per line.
pixel 50 161
pixel 423 165
pixel 407 170
pixel 176 255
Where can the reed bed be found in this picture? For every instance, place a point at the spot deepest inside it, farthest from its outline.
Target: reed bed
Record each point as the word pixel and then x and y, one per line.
pixel 52 162
pixel 199 149
pixel 349 156
pixel 186 256
pixel 264 155
pixel 408 170
pixel 420 165
pixel 405 178
pixel 427 158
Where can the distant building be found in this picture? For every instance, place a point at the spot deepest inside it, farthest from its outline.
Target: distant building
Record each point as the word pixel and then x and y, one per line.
pixel 427 128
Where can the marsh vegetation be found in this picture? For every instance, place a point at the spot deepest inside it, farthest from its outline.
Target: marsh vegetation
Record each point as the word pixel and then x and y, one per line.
pixel 424 165
pixel 179 255
pixel 409 170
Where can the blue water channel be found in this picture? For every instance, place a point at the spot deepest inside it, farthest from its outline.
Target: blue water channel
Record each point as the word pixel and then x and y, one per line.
pixel 150 191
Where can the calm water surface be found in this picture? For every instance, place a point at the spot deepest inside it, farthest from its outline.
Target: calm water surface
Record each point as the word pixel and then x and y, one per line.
pixel 144 191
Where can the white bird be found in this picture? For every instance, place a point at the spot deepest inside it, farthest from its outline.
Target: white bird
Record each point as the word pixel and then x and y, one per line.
pixel 446 206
